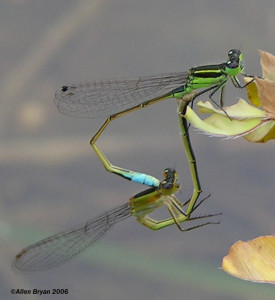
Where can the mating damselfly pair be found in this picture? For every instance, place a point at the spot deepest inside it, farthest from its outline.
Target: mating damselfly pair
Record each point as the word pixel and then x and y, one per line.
pixel 112 99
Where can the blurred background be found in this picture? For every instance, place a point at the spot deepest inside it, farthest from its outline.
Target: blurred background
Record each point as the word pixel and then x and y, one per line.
pixel 52 180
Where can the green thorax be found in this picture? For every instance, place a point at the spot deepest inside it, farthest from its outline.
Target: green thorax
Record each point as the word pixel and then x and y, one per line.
pixel 202 77
pixel 211 75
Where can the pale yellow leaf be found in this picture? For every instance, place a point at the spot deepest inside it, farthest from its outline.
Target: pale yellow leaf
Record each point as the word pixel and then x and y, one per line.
pixel 240 110
pixel 263 133
pixel 252 92
pixel 218 124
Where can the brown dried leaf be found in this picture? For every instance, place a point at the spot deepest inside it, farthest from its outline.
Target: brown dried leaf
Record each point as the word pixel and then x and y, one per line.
pixel 253 260
pixel 266 92
pixel 268 65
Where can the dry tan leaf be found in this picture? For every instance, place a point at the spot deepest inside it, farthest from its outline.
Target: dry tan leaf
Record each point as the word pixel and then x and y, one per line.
pixel 253 260
pixel 266 92
pixel 268 65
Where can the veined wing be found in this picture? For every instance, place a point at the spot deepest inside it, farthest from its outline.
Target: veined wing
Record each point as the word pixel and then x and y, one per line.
pixel 59 248
pixel 104 98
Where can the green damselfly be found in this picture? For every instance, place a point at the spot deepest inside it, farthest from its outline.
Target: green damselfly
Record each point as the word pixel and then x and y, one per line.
pixel 60 248
pixel 116 97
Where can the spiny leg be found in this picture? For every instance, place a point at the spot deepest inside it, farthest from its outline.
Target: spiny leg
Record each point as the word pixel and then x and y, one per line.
pixel 201 201
pixel 237 84
pixel 177 204
pixel 177 215
pixel 220 106
pixel 214 89
pixel 198 226
pixel 196 206
pixel 176 212
pixel 159 224
pixel 156 224
pixel 197 94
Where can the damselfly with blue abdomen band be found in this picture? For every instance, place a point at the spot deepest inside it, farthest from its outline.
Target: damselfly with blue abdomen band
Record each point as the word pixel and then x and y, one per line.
pixel 60 248
pixel 115 98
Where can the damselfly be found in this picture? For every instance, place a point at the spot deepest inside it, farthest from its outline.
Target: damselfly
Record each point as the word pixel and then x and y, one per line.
pixel 60 248
pixel 117 97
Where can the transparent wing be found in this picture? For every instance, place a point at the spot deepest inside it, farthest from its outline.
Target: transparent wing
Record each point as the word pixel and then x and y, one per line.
pixel 59 248
pixel 104 98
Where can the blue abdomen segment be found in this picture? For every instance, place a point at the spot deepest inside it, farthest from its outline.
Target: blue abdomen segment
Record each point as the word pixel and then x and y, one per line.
pixel 137 177
pixel 142 179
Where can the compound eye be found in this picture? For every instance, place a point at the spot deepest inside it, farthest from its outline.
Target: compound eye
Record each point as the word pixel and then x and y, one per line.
pixel 234 53
pixel 231 52
pixel 165 173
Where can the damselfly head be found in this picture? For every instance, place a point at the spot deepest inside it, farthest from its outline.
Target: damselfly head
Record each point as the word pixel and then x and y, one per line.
pixel 170 179
pixel 235 59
